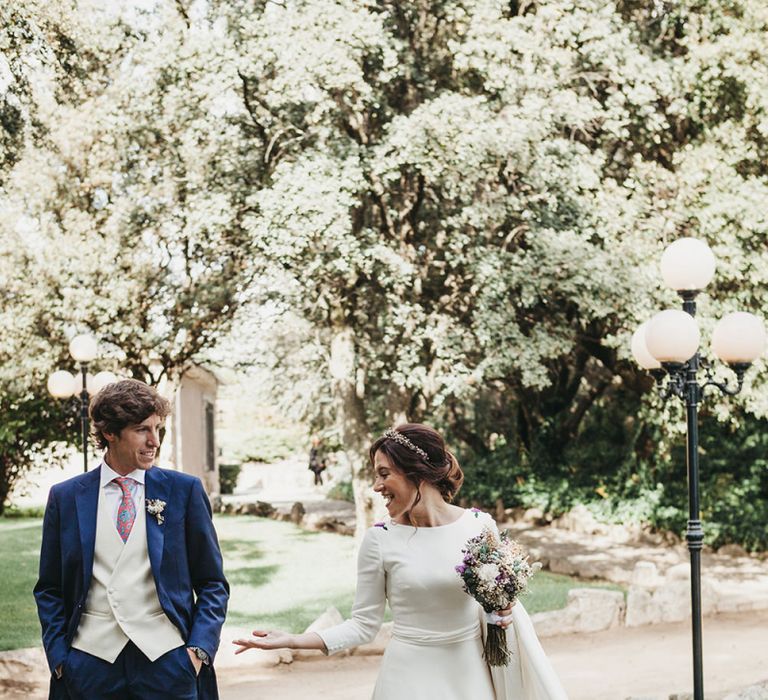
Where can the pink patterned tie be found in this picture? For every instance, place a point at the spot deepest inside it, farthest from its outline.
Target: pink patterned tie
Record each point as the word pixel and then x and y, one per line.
pixel 126 513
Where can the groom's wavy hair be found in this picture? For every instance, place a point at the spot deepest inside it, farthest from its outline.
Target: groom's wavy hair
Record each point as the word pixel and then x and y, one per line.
pixel 439 468
pixel 124 403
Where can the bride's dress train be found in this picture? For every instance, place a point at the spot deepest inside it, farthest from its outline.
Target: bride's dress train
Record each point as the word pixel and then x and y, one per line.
pixel 529 676
pixel 436 648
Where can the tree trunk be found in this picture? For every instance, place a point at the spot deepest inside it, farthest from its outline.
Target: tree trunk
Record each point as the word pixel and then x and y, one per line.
pixel 397 401
pixel 352 423
pixel 5 483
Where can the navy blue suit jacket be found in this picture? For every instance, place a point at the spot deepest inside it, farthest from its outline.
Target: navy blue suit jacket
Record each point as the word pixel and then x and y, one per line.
pixel 183 551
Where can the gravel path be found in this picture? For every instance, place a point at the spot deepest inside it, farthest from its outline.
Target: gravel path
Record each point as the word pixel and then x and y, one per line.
pixel 642 662
pixel 647 663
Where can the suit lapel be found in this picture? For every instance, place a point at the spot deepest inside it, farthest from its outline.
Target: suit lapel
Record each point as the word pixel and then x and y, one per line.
pixel 87 503
pixel 156 487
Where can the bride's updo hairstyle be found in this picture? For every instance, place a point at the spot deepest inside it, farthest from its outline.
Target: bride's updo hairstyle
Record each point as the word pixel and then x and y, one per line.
pixel 419 452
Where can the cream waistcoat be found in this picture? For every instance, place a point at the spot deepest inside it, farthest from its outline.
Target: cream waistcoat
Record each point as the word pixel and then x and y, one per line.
pixel 122 602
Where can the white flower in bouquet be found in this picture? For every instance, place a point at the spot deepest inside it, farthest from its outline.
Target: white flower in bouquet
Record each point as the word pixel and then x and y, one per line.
pixel 488 573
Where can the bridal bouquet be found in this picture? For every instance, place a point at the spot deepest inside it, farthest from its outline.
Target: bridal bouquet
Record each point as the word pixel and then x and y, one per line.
pixel 495 571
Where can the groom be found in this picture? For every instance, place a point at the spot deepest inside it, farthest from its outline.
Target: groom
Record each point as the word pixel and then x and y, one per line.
pixel 131 594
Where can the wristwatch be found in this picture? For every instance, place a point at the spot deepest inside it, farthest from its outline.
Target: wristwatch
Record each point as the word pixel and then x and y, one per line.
pixel 201 654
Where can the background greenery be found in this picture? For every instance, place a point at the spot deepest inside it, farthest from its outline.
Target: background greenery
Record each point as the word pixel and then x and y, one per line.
pixel 603 469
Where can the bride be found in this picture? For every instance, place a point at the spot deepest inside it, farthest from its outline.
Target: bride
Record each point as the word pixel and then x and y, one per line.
pixel 408 560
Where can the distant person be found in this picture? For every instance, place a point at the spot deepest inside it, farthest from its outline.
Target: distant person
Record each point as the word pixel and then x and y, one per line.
pixel 436 650
pixel 317 464
pixel 131 594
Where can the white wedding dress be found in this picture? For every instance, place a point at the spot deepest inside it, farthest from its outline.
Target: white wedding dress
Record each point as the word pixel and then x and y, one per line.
pixel 436 647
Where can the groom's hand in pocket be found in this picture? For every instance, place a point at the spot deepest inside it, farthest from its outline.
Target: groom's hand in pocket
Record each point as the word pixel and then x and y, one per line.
pixel 197 663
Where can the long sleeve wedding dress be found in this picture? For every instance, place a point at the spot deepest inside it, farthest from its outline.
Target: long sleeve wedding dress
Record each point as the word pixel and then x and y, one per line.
pixel 436 647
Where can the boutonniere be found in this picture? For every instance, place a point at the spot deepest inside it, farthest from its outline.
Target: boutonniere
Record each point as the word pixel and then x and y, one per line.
pixel 156 507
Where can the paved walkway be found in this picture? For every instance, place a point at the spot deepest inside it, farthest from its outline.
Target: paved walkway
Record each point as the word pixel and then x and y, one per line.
pixel 289 481
pixel 648 663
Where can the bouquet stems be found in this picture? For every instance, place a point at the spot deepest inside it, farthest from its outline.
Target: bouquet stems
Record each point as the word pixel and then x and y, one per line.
pixel 495 651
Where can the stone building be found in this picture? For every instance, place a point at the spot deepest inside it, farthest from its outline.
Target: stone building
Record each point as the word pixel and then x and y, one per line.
pixel 190 440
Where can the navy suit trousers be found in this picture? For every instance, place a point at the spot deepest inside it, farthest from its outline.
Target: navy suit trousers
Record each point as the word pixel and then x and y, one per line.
pixel 131 677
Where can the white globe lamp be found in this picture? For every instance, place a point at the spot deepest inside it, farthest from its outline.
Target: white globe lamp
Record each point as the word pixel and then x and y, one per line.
pixel 101 380
pixel 688 265
pixel 739 338
pixel 83 348
pixel 672 336
pixel 640 350
pixel 62 384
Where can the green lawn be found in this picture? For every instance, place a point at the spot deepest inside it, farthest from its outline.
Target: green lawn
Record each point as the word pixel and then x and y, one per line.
pixel 281 576
pixel 550 591
pixel 19 553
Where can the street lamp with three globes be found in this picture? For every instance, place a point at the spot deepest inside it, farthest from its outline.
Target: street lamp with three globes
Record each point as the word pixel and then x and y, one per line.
pixel 62 384
pixel 668 346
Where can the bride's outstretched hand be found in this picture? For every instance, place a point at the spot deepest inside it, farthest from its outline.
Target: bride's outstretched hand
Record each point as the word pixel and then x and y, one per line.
pixel 262 639
pixel 275 639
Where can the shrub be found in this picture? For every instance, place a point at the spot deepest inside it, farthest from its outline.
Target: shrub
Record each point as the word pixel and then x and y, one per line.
pixel 615 469
pixel 228 475
pixel 341 491
pixel 26 512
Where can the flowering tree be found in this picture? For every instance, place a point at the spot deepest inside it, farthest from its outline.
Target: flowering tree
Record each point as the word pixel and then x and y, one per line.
pixel 468 198
pixel 462 202
pixel 119 213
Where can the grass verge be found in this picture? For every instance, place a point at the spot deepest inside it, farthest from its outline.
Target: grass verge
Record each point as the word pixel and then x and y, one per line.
pixel 19 554
pixel 550 591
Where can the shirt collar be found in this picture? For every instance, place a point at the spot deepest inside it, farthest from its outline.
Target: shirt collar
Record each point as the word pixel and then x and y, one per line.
pixel 108 474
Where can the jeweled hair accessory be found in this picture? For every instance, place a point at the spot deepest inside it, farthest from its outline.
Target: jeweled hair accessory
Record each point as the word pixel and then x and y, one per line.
pixel 399 438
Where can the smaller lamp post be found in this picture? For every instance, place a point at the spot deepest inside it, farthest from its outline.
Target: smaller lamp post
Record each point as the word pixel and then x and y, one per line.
pixel 62 384
pixel 668 345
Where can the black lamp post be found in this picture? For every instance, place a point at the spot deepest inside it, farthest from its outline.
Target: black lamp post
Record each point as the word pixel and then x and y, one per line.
pixel 62 384
pixel 667 345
